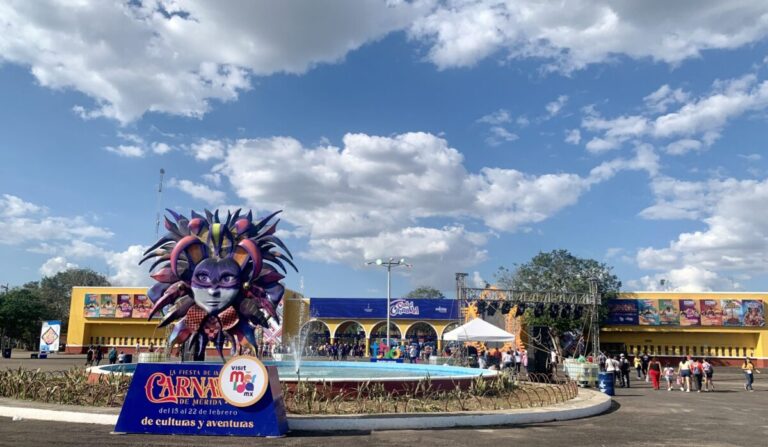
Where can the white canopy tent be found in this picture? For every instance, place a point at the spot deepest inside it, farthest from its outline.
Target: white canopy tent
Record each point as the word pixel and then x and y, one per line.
pixel 479 330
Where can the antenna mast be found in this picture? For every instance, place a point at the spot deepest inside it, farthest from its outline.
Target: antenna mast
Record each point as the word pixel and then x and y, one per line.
pixel 159 202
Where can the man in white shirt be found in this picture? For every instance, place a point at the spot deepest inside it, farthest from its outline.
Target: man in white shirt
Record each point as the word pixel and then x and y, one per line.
pixel 612 366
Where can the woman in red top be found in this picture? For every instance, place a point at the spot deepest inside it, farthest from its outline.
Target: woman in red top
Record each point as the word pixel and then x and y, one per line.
pixel 654 372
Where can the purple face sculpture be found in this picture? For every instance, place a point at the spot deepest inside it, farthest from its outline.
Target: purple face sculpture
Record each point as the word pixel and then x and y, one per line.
pixel 215 284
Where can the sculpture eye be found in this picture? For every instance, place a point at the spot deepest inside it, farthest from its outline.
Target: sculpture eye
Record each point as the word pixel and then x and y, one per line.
pixel 203 278
pixel 228 279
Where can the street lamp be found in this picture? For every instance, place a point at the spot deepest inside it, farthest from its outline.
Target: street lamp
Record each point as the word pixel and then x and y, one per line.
pixel 391 262
pixel 595 293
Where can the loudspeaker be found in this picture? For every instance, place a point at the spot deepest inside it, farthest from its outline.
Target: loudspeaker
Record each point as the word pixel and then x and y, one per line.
pixel 541 345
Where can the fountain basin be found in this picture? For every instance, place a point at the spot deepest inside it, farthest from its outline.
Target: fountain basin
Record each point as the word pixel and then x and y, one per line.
pixel 347 377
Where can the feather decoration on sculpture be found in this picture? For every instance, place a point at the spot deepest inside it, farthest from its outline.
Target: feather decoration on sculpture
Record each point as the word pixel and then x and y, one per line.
pixel 217 280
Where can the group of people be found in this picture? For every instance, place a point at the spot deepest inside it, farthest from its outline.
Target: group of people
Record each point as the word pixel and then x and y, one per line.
pixel 510 359
pixel 691 373
pixel 95 355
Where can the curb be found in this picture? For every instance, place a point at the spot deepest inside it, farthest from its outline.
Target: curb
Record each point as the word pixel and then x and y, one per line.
pixel 588 403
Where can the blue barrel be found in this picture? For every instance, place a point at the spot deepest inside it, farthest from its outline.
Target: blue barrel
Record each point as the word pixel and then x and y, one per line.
pixel 605 383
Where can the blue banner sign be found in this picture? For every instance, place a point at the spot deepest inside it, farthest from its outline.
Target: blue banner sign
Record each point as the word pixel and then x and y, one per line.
pixel 376 308
pixel 239 398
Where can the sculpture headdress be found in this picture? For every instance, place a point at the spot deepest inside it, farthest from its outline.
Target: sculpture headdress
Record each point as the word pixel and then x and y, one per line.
pixel 217 279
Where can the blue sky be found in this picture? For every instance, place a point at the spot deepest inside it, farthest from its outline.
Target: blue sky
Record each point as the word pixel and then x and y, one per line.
pixel 461 135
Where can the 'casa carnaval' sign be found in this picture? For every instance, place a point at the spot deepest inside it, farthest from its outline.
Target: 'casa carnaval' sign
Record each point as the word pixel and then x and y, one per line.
pixel 403 307
pixel 240 398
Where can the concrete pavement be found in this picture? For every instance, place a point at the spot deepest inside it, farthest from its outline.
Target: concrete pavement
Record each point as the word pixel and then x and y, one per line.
pixel 639 417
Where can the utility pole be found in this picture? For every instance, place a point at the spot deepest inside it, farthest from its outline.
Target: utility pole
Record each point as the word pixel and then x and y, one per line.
pixel 159 203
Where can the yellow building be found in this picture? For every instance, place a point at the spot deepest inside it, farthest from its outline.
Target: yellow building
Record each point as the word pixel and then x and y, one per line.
pixel 117 316
pixel 722 326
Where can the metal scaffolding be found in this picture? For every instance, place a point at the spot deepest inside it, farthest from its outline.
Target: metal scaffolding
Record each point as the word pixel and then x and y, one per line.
pixel 590 300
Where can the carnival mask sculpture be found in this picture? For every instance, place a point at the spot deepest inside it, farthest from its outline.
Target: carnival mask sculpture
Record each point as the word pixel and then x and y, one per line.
pixel 217 280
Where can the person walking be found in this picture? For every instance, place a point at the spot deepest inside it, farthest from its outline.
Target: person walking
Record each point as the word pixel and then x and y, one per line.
pixel 89 356
pixel 112 356
pixel 654 370
pixel 749 372
pixel 684 371
pixel 669 375
pixel 612 367
pixel 698 374
pixel 624 370
pixel 99 355
pixel 638 367
pixel 518 360
pixel 709 371
pixel 645 360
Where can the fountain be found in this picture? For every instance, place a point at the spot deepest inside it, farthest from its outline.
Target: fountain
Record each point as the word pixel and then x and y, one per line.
pixel 219 278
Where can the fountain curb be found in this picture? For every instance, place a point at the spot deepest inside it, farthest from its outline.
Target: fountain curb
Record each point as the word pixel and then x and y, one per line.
pixel 589 403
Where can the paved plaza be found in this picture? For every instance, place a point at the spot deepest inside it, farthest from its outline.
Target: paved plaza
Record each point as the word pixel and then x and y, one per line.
pixel 639 417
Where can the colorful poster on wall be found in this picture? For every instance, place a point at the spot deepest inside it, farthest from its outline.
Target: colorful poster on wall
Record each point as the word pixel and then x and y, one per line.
pixel 108 306
pixel 92 304
pixel 689 314
pixel 141 306
pixel 124 306
pixel 622 312
pixel 648 312
pixel 669 314
pixel 732 315
pixel 754 313
pixel 711 313
pixel 49 336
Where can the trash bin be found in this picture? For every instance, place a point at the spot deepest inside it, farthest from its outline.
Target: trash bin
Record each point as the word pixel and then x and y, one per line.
pixel 605 383
pixel 6 353
pixel 128 358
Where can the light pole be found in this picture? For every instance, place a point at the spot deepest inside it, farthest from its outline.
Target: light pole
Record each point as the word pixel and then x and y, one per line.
pixel 593 290
pixel 391 262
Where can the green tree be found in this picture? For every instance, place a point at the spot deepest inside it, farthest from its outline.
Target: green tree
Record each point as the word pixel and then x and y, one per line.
pixel 425 292
pixel 56 290
pixel 22 312
pixel 559 270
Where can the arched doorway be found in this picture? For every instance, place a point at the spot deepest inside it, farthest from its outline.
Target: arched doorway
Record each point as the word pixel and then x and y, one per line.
pixel 422 334
pixel 379 332
pixel 453 346
pixel 317 334
pixel 349 332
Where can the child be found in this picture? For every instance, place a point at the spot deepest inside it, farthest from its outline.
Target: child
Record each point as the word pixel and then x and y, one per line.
pixel 639 367
pixel 669 375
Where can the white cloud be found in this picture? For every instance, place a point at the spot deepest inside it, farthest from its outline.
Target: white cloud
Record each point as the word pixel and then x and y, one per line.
pixel 27 223
pixel 695 125
pixel 12 206
pixel 685 279
pixel 434 252
pixel 161 148
pixel 660 100
pixel 125 267
pixel 183 54
pixel 751 157
pixel 573 136
pixel 735 233
pixel 128 151
pixel 681 147
pixel 205 150
pixel 522 121
pixel 500 116
pixel 375 193
pixel 574 33
pixel 499 136
pixel 56 265
pixel 554 107
pixel 198 191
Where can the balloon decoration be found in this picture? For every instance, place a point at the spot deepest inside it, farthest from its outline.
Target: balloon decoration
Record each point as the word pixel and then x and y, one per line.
pixel 217 279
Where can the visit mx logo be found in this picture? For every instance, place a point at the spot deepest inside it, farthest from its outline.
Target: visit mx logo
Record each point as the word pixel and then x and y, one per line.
pixel 243 381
